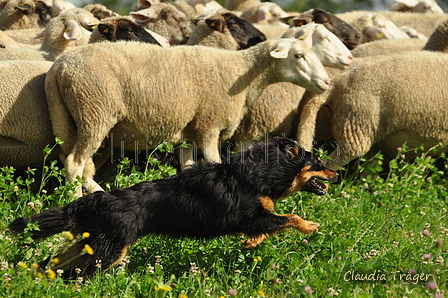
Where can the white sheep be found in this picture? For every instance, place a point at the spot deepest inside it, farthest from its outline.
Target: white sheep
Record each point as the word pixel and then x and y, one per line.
pixel 438 41
pixel 375 26
pixel 25 128
pixel 275 111
pixel 388 101
pixel 188 91
pixel 265 13
pixel 166 19
pixel 197 7
pixel 421 6
pixel 60 6
pixel 412 33
pixel 62 33
pixel 424 23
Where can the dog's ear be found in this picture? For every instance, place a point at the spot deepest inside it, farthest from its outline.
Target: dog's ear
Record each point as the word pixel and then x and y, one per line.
pixel 288 146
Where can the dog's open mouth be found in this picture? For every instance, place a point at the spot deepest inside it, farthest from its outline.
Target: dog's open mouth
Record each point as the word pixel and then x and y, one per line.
pixel 316 186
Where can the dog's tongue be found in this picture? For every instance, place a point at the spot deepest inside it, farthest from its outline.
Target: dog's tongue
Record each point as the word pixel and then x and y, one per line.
pixel 321 184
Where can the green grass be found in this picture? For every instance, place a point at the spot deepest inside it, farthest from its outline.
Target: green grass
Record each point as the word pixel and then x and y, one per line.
pixel 375 229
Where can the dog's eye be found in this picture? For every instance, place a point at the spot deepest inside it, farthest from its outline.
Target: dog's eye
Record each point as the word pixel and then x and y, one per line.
pixel 316 167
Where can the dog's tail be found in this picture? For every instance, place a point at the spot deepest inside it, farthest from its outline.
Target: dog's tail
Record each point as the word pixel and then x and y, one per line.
pixel 50 222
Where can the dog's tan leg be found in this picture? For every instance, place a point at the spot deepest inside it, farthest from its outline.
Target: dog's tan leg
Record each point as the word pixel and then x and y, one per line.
pixel 120 257
pixel 253 242
pixel 298 223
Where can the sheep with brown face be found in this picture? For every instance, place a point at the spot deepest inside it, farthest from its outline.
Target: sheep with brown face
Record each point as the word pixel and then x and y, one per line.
pixel 349 36
pixel 24 14
pixel 225 30
pixel 123 28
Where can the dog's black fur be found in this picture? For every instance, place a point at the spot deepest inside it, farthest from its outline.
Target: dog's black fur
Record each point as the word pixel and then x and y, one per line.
pixel 205 201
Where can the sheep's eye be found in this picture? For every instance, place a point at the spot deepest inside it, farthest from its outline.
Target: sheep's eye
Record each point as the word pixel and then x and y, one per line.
pixel 298 56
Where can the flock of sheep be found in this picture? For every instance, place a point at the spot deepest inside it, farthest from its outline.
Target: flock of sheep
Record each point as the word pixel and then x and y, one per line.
pixel 206 73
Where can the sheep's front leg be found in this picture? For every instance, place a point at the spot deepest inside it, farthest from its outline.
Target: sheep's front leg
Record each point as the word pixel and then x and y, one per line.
pixel 79 163
pixel 186 156
pixel 210 148
pixel 74 168
pixel 307 124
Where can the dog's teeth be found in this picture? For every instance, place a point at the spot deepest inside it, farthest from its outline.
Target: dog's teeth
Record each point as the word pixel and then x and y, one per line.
pixel 317 183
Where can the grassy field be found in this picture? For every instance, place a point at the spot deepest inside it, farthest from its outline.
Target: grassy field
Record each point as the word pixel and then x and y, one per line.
pixel 382 235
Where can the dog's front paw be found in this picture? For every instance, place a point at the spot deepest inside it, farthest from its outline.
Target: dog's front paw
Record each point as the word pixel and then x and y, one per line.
pixel 309 227
pixel 251 243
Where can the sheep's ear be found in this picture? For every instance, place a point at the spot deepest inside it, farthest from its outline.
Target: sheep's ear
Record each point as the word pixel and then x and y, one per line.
pixel 282 49
pixel 306 36
pixel 286 20
pixel 215 24
pixel 72 31
pixel 145 15
pixel 40 35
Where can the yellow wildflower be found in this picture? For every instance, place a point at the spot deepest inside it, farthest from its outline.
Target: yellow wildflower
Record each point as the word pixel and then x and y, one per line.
pixel 35 266
pixel 22 265
pixel 88 249
pixel 183 296
pixel 40 275
pixel 257 259
pixel 56 260
pixel 85 235
pixel 261 294
pixel 51 274
pixel 163 288
pixel 69 235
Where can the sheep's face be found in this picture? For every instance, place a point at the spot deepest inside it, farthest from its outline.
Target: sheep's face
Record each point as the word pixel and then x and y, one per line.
pixel 328 47
pixel 299 65
pixel 349 36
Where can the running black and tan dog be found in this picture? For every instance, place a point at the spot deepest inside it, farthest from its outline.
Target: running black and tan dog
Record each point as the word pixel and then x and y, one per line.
pixel 205 201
